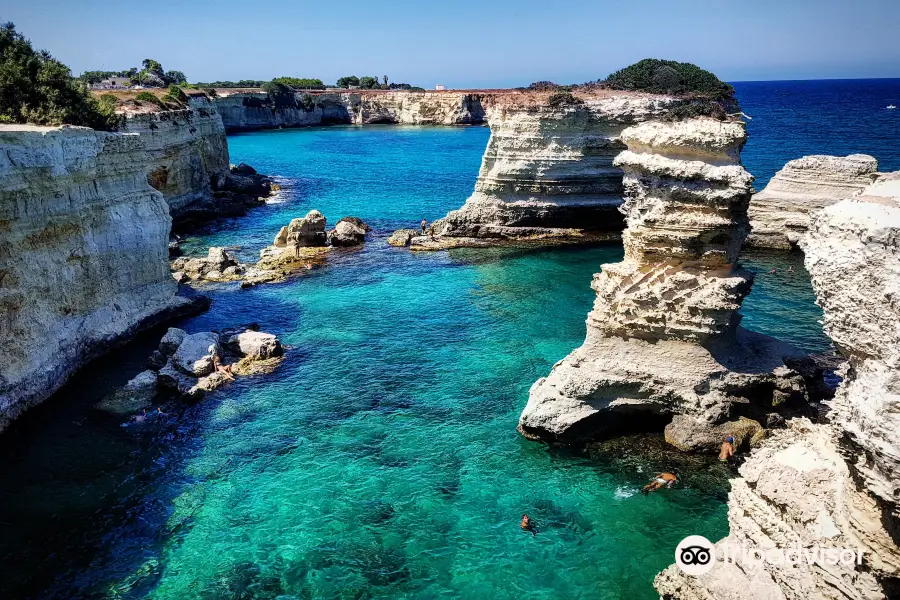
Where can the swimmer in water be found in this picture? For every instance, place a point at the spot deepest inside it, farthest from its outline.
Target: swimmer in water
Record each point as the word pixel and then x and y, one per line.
pixel 773 272
pixel 528 525
pixel 664 479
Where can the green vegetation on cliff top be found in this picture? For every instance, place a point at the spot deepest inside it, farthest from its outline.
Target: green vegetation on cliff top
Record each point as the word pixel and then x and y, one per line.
pixel 669 77
pixel 36 88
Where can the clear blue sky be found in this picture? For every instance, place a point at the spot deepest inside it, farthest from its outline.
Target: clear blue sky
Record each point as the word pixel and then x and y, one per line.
pixel 488 43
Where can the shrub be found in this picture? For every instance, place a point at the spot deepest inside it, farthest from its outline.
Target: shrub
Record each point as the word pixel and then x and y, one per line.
pixel 281 95
pixel 150 98
pixel 670 77
pixel 177 94
pixel 109 99
pixel 563 99
pixel 542 86
pixel 307 102
pixel 36 88
pixel 301 83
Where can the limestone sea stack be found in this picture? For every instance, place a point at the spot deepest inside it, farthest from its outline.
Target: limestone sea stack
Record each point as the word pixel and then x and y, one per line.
pixel 781 214
pixel 83 254
pixel 548 173
pixel 832 485
pixel 663 337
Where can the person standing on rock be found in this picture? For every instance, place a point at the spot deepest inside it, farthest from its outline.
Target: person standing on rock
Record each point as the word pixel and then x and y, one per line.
pixel 424 225
pixel 297 247
pixel 727 451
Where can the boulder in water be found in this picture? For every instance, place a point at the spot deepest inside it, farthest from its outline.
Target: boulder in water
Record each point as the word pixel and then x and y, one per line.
pixel 349 231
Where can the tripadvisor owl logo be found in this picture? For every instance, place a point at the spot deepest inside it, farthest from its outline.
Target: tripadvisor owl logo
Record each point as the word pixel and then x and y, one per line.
pixel 695 555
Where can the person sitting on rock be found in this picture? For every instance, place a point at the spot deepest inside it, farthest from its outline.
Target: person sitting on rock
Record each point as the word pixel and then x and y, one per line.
pixel 528 525
pixel 664 479
pixel 424 225
pixel 223 369
pixel 727 450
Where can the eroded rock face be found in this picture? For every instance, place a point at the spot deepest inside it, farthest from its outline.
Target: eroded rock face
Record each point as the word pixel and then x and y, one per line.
pixel 830 485
pixel 247 111
pixel 663 335
pixel 781 214
pixel 796 491
pixel 187 149
pixel 548 172
pixel 853 258
pixel 83 254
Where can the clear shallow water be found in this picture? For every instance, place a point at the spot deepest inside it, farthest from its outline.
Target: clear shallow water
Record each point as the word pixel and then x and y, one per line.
pixel 381 459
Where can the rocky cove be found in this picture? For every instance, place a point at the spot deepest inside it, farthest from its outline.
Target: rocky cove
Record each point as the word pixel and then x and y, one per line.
pixel 676 255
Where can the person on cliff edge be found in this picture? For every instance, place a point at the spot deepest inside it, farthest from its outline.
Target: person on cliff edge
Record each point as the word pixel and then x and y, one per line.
pixel 424 225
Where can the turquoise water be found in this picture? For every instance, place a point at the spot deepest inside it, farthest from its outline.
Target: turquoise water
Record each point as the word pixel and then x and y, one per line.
pixel 381 459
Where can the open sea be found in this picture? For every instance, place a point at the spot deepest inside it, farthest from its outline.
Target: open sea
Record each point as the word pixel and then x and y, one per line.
pixel 381 459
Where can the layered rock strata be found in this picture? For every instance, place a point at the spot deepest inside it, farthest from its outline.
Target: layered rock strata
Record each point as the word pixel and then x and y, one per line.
pixel 186 148
pixel 251 110
pixel 781 214
pixel 663 336
pixel 83 254
pixel 548 173
pixel 833 485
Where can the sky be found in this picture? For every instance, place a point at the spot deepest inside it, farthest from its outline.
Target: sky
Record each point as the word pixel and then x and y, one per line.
pixel 489 43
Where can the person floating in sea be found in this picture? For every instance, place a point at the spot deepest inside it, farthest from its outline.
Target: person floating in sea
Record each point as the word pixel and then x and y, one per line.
pixel 223 369
pixel 141 417
pixel 528 525
pixel 160 413
pixel 309 266
pixel 790 269
pixel 727 450
pixel 773 272
pixel 664 479
pixel 424 225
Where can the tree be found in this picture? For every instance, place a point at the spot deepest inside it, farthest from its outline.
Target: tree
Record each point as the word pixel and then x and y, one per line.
pixel 36 88
pixel 345 82
pixel 303 83
pixel 385 79
pixel 175 77
pixel 368 83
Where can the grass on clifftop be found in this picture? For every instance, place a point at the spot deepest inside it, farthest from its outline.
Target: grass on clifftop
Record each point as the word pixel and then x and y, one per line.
pixel 657 76
pixel 36 88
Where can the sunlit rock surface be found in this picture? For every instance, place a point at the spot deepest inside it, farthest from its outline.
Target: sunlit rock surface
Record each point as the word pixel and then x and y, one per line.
pixel 83 254
pixel 781 214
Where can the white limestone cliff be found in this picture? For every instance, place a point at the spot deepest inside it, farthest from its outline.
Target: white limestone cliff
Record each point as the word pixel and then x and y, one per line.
pixel 781 214
pixel 832 485
pixel 83 254
pixel 243 111
pixel 548 172
pixel 663 336
pixel 187 149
